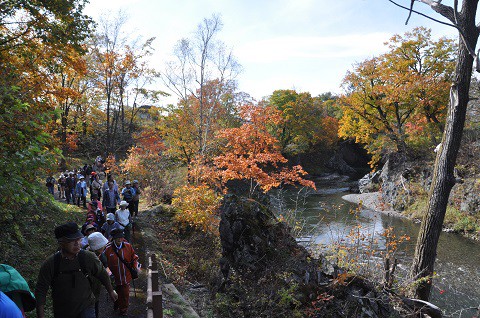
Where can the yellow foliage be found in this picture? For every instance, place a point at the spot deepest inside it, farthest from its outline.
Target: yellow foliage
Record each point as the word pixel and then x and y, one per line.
pixel 197 206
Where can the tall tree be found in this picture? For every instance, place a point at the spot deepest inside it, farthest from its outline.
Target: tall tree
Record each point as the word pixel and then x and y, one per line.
pixel 201 61
pixel 179 128
pixel 443 176
pixel 33 36
pixel 121 76
pixel 404 89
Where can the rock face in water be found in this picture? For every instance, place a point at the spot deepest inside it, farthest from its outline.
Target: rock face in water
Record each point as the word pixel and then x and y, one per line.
pixel 263 261
pixel 252 238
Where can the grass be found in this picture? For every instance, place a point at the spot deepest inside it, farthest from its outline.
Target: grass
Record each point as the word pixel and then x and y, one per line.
pixel 455 219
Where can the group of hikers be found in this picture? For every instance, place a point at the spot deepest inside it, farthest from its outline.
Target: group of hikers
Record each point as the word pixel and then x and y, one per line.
pixel 97 253
pixel 74 186
pixel 75 274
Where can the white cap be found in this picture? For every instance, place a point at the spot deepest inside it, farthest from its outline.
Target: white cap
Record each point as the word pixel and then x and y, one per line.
pixel 110 217
pixel 97 241
pixel 123 203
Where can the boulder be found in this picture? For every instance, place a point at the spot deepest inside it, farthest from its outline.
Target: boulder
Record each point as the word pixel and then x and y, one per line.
pixel 369 182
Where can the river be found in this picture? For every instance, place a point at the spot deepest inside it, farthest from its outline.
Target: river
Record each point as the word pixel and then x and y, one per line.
pixel 327 218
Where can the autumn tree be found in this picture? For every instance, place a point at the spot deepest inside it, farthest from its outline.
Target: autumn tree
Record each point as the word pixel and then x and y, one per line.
pixel 33 35
pixel 402 94
pixel 443 176
pixel 180 125
pixel 252 154
pixel 201 75
pixel 305 122
pixel 120 75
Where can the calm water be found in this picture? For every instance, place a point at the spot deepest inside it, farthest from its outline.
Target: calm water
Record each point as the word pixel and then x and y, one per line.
pixel 328 218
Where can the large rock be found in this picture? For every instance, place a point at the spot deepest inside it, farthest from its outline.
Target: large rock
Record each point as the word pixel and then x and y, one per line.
pixel 338 164
pixel 370 182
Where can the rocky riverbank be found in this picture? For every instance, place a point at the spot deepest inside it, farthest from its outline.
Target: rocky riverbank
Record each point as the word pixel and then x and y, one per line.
pixel 372 201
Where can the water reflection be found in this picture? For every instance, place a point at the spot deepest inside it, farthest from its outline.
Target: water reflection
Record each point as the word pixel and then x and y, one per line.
pixel 329 218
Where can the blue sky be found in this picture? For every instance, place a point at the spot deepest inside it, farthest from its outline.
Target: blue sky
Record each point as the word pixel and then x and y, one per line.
pixel 307 45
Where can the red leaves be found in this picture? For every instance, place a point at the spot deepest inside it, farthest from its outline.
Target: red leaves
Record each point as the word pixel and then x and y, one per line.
pixel 252 153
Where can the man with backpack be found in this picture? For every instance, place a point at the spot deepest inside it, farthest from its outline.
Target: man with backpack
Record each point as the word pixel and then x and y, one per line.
pixel 68 273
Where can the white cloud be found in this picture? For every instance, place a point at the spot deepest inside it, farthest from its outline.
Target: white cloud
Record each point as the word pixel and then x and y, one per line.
pixel 280 49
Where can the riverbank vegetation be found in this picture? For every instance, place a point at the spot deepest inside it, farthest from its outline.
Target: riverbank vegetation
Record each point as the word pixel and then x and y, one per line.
pixel 70 90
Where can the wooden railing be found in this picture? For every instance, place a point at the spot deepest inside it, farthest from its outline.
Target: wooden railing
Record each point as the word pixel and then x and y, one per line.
pixel 154 292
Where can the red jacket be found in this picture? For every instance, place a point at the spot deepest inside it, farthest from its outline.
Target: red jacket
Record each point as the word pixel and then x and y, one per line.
pixel 119 270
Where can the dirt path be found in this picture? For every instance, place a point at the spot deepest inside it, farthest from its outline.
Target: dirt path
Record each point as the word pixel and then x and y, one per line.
pixel 137 307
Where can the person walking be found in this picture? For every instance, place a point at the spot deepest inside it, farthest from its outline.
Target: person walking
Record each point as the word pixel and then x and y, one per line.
pixel 136 197
pixel 61 183
pixel 96 185
pixel 110 198
pixel 124 219
pixel 50 183
pixel 109 226
pixel 121 260
pixel 97 243
pixel 127 195
pixel 81 191
pixel 67 272
pixel 70 184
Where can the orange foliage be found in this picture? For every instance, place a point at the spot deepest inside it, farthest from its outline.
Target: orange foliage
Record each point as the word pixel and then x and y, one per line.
pixel 252 153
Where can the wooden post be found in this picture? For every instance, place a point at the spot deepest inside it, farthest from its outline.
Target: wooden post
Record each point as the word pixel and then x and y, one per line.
pixel 157 304
pixel 154 294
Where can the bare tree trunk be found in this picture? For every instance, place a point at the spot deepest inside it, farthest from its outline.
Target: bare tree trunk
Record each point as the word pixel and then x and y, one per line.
pixel 443 178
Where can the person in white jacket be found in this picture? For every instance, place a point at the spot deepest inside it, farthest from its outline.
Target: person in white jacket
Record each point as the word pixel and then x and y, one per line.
pixel 124 219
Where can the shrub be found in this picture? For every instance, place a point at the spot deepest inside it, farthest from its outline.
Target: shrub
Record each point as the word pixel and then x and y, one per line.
pixel 197 206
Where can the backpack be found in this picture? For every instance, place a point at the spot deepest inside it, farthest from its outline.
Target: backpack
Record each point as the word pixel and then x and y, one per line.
pixel 57 258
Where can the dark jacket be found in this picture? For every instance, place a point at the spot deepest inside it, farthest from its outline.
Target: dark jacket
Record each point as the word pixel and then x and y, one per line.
pixel 106 198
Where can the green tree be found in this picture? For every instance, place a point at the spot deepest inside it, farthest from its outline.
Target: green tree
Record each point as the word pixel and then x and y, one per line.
pixel 306 122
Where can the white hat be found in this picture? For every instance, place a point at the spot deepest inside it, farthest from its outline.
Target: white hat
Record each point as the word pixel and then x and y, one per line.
pixel 123 203
pixel 127 182
pixel 97 241
pixel 110 217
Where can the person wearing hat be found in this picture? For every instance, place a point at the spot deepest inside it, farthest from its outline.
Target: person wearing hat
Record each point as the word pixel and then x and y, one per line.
pixel 17 289
pixel 97 243
pixel 128 193
pixel 81 191
pixel 67 272
pixel 124 219
pixel 110 225
pixel 118 253
pixel 89 229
